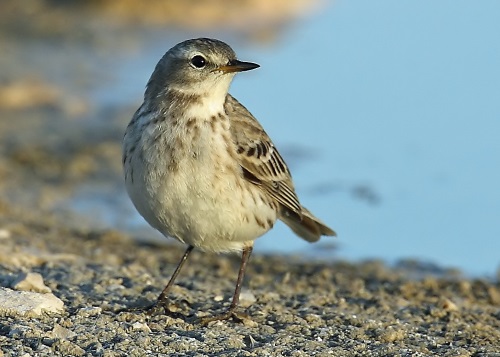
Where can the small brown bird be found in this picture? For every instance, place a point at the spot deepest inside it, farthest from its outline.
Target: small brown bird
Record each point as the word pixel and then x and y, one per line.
pixel 200 168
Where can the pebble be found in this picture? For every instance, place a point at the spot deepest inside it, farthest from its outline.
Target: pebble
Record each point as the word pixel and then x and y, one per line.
pixel 247 298
pixel 4 234
pixel 30 282
pixel 141 326
pixel 25 302
pixel 89 311
pixel 61 332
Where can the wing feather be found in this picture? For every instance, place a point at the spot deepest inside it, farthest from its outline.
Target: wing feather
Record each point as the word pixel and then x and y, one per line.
pixel 259 158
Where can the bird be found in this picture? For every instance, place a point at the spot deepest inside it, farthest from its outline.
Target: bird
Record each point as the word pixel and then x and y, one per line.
pixel 200 168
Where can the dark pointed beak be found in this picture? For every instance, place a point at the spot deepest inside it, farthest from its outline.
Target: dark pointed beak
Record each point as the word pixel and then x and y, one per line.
pixel 237 66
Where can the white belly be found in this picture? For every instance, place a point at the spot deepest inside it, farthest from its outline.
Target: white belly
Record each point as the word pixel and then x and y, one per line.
pixel 203 200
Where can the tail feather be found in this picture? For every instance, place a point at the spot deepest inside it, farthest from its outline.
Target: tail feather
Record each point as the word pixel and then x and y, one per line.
pixel 309 227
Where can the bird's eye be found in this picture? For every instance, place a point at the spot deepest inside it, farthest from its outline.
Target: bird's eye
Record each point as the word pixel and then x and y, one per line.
pixel 198 61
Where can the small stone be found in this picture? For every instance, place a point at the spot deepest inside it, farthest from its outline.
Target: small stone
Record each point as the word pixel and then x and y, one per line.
pixel 4 234
pixel 141 326
pixel 89 311
pixel 17 331
pixel 247 298
pixel 271 296
pixel 391 335
pixel 24 302
pixel 68 348
pixel 250 341
pixel 61 332
pixel 448 305
pixel 30 282
pixel 250 323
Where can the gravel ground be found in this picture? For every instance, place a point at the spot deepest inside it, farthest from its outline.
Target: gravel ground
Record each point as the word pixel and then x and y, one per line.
pixel 295 308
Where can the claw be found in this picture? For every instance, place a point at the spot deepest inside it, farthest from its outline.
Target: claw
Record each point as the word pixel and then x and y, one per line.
pixel 155 309
pixel 141 308
pixel 230 314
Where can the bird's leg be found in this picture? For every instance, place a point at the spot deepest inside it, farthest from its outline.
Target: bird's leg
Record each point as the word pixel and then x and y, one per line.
pixel 231 312
pixel 162 300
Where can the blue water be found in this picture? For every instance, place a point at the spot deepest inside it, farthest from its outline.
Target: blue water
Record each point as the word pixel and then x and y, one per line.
pixel 389 115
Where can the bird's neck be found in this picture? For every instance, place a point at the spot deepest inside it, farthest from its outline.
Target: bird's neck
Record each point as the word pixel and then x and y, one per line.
pixel 197 104
pixel 210 96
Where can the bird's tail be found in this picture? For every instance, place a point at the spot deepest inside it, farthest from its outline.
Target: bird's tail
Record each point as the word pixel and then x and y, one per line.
pixel 308 227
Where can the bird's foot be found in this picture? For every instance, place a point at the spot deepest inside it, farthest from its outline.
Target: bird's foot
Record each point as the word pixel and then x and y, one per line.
pixel 155 309
pixel 228 315
pixel 158 308
pixel 167 308
pixel 138 308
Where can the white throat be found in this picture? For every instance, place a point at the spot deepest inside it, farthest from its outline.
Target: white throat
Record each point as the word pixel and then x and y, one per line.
pixel 212 94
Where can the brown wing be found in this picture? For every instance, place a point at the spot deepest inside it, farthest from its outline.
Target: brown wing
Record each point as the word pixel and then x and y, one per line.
pixel 261 162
